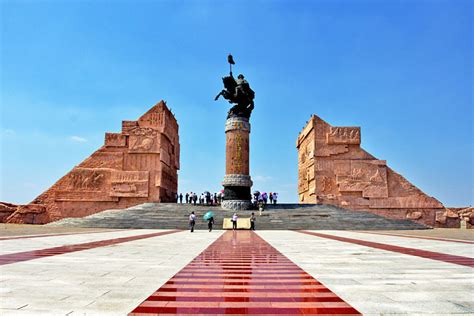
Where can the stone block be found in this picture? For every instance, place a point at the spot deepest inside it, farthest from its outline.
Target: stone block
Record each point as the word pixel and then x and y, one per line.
pixel 334 169
pixel 242 223
pixel 117 175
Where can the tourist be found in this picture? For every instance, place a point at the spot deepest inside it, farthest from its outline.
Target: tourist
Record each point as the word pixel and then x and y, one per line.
pixel 264 197
pixel 176 197
pixel 187 198
pixel 234 221
pixel 195 197
pixel 208 198
pixel 271 197
pixel 181 198
pixel 275 197
pixel 215 198
pixel 192 221
pixel 252 221
pixel 210 222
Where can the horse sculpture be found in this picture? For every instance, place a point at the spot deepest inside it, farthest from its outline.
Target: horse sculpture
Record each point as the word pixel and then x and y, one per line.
pixel 239 93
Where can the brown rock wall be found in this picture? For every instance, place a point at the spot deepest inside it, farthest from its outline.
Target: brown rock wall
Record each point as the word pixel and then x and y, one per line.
pixel 334 169
pixel 135 166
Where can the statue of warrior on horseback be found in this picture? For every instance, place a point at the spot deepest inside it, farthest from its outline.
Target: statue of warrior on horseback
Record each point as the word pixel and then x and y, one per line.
pixel 238 92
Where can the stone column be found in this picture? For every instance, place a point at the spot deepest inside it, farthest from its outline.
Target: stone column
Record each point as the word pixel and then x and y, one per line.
pixel 237 182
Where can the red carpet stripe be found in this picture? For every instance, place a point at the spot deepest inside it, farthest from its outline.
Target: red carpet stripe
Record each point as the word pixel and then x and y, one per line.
pixel 464 261
pixel 421 237
pixel 37 254
pixel 240 273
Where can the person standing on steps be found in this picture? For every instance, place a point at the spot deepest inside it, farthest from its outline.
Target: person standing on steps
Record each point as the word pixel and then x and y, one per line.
pixel 275 197
pixel 234 221
pixel 181 198
pixel 187 198
pixel 210 222
pixel 271 198
pixel 252 221
pixel 192 221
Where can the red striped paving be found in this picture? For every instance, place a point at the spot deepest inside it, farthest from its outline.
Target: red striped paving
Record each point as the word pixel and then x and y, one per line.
pixel 421 237
pixel 42 253
pixel 58 234
pixel 460 260
pixel 240 273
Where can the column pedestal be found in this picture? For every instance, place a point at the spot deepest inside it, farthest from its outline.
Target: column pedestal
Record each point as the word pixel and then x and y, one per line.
pixel 237 182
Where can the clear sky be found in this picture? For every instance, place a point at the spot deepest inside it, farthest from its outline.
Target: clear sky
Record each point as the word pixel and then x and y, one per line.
pixel 402 70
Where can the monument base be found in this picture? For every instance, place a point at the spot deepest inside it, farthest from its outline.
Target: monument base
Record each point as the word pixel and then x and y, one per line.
pixel 236 205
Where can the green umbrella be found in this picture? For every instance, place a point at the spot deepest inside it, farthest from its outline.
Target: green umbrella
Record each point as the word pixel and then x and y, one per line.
pixel 208 215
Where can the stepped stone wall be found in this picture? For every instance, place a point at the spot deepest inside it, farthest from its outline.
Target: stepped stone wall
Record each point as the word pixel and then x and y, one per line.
pixel 135 166
pixel 334 169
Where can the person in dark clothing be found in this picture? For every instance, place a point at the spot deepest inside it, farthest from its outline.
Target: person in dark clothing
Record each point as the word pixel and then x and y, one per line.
pixel 187 198
pixel 192 221
pixel 181 198
pixel 252 221
pixel 210 222
pixel 234 221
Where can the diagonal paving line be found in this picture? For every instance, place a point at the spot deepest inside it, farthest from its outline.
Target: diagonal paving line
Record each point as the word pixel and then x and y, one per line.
pixel 465 261
pixel 60 234
pixel 48 252
pixel 418 237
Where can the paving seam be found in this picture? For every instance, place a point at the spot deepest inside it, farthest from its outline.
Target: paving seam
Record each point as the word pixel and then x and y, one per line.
pixel 460 260
pixel 61 234
pixel 418 237
pixel 54 251
pixel 241 273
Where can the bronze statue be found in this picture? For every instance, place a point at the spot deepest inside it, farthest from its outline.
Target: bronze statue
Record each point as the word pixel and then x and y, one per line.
pixel 237 92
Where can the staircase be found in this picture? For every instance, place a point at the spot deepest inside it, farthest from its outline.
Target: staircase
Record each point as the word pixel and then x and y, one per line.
pixel 280 216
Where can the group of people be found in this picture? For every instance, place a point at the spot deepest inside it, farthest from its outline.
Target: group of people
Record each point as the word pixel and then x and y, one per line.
pixel 263 198
pixel 205 198
pixel 210 221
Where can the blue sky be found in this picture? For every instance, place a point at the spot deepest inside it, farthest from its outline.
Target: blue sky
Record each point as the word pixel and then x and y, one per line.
pixel 402 70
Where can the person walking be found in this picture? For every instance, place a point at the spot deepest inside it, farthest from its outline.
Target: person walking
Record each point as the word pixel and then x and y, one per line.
pixel 210 222
pixel 181 198
pixel 192 221
pixel 234 221
pixel 187 198
pixel 252 221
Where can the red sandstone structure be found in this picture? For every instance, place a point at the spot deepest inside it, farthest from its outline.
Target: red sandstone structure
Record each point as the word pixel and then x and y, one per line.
pixel 334 169
pixel 135 166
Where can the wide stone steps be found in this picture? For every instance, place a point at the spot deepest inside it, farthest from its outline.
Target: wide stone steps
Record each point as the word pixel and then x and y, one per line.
pixel 280 216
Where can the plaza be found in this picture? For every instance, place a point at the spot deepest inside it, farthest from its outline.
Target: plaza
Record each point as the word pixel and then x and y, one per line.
pixel 148 272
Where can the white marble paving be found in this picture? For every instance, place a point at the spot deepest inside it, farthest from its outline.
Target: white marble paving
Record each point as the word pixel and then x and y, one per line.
pixel 447 247
pixel 19 245
pixel 110 280
pixel 379 282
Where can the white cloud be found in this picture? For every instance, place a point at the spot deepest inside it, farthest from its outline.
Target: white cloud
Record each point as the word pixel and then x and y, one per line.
pixel 78 139
pixel 8 132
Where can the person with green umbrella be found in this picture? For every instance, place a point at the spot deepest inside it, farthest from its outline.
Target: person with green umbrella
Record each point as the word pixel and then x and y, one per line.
pixel 209 217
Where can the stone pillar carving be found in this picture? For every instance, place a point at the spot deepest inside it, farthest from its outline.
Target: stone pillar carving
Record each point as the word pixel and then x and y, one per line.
pixel 237 181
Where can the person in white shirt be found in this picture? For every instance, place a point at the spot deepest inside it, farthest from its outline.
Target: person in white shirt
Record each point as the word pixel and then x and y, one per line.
pixel 234 221
pixel 192 221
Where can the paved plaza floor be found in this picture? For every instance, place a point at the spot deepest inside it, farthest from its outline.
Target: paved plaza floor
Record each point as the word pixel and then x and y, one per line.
pixel 149 272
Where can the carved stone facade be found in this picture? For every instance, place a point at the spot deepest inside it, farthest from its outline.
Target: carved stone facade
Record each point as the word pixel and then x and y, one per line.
pixel 135 166
pixel 334 169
